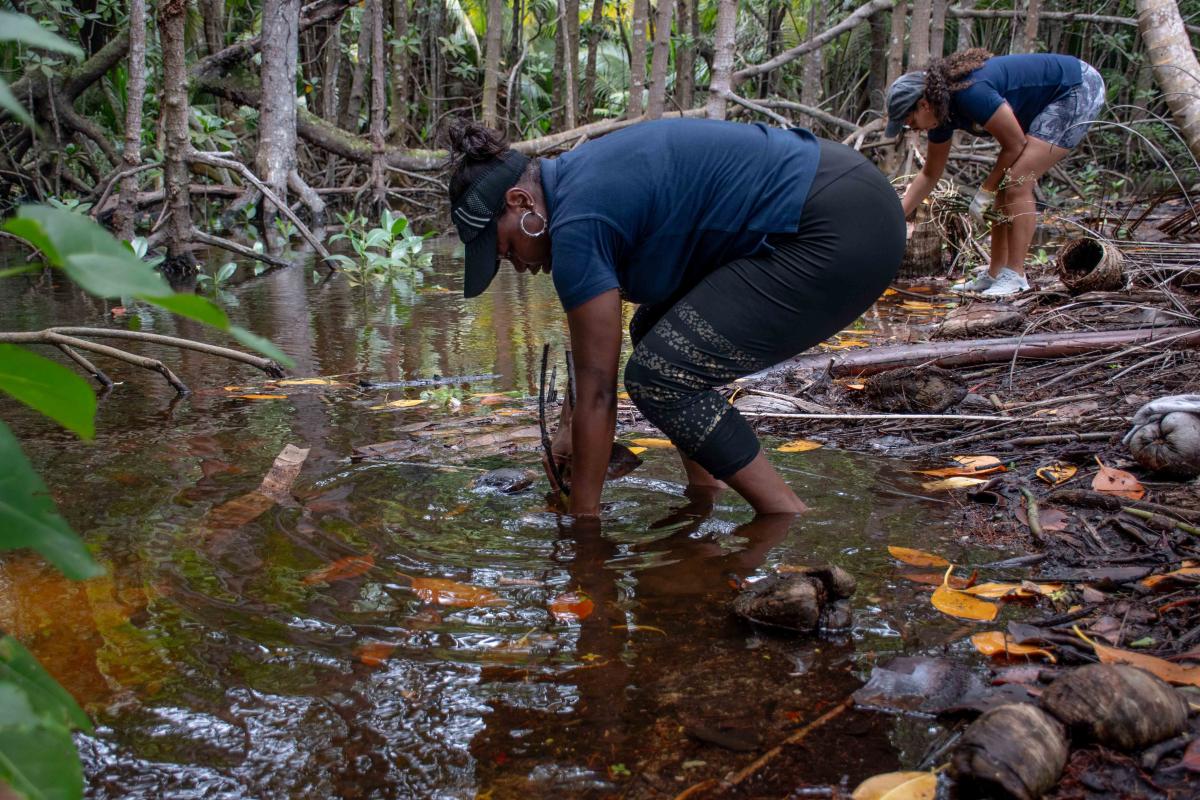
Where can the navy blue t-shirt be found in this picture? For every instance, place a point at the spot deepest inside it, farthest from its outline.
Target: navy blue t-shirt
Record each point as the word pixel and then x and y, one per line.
pixel 1027 82
pixel 648 207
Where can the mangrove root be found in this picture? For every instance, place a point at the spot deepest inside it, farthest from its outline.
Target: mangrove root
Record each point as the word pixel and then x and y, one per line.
pixel 1015 750
pixel 1116 705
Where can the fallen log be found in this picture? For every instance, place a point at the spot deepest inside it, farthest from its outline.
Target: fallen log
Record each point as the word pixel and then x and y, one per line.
pixel 984 351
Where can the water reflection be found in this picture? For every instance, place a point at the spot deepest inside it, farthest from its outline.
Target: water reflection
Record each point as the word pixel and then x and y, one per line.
pixel 217 666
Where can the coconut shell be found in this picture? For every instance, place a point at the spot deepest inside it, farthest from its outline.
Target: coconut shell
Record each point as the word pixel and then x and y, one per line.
pixel 1091 265
pixel 1116 705
pixel 1170 446
pixel 1013 751
pixel 921 390
pixel 792 602
pixel 838 583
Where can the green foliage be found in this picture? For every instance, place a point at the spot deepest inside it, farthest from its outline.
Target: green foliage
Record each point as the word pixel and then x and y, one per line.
pixel 24 30
pixel 48 387
pixel 444 396
pixel 388 252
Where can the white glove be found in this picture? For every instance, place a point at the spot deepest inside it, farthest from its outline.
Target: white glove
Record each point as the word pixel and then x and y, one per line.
pixel 980 203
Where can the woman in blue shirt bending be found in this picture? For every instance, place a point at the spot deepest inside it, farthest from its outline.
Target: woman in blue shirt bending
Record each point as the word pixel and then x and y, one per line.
pixel 1037 106
pixel 742 244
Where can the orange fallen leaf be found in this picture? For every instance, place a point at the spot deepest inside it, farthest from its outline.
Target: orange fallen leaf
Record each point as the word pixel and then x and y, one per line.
pixel 799 446
pixel 917 558
pixel 968 466
pixel 572 607
pixel 1000 644
pixel 956 482
pixel 261 396
pixel 1001 591
pixel 452 593
pixel 898 786
pixel 348 567
pixel 1170 579
pixel 309 382
pixel 1056 473
pixel 1117 482
pixel 661 444
pixel 637 451
pixel 858 387
pixel 961 605
pixel 397 404
pixel 933 579
pixel 373 654
pixel 1177 674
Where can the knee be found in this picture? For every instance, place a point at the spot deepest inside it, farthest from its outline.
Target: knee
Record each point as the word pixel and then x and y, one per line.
pixel 647 383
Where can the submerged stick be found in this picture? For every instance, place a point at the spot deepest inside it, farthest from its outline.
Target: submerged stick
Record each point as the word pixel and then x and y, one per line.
pixel 795 738
pixel 1031 513
pixel 547 446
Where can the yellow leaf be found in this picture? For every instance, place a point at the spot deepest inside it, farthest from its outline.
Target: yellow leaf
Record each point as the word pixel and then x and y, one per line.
pixel 1170 672
pixel 999 591
pixel 397 404
pixel 898 786
pixel 918 305
pixel 917 558
pixel 998 643
pixel 858 387
pixel 961 605
pixel 967 466
pixel 623 396
pixel 309 382
pixel 262 396
pixel 955 482
pixel 799 446
pixel 660 444
pixel 1056 473
pixel 637 451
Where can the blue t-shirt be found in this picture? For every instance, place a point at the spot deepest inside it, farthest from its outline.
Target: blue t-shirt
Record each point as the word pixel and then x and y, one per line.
pixel 1027 82
pixel 648 207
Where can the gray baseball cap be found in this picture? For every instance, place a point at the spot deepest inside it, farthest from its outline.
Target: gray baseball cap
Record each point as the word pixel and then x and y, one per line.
pixel 902 98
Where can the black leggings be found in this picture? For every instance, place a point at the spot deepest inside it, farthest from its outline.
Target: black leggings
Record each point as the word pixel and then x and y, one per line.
pixel 754 312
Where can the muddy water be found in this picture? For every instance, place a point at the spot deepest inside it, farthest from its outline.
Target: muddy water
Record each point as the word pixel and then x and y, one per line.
pixel 289 655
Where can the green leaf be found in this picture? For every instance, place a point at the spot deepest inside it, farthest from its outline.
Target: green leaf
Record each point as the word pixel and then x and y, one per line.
pixel 105 275
pixel 192 306
pixel 23 29
pixel 19 668
pixel 37 756
pixel 262 345
pixel 49 388
pixel 28 517
pixel 9 102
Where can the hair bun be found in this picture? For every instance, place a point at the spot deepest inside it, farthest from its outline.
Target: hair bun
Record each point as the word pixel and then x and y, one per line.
pixel 470 141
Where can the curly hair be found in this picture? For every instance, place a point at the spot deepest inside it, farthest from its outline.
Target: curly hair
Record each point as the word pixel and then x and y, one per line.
pixel 944 76
pixel 473 148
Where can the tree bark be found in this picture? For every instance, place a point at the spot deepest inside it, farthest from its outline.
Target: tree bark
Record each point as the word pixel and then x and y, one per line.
pixel 570 72
pixel 810 83
pixel 333 69
pixel 877 75
pixel 724 39
pixel 172 23
pixel 918 34
pixel 657 95
pixel 937 29
pixel 593 47
pixel 400 66
pixel 1033 11
pixel 1175 65
pixel 135 90
pixel 276 155
pixel 637 57
pixel 492 42
pixel 895 62
pixel 378 104
pixel 966 26
pixel 358 82
pixel 685 53
pixel 213 12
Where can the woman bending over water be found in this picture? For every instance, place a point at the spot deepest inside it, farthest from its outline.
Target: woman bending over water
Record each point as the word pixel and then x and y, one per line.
pixel 742 244
pixel 1037 106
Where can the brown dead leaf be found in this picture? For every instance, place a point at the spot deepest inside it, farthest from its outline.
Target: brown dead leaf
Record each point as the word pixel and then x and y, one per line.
pixel 933 579
pixel 1177 674
pixel 237 512
pixel 373 654
pixel 1186 575
pixel 1117 482
pixel 998 644
pixel 1013 591
pixel 442 591
pixel 917 558
pixel 348 567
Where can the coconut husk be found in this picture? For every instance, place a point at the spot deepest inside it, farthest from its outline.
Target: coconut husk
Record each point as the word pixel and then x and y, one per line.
pixel 924 249
pixel 1116 705
pixel 978 320
pixel 791 602
pixel 1091 265
pixel 915 390
pixel 1170 446
pixel 1015 750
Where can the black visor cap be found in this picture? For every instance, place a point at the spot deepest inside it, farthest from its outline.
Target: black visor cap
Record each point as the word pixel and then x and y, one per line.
pixel 475 213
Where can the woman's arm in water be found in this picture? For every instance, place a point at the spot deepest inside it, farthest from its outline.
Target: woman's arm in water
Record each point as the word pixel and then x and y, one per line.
pixel 936 156
pixel 596 344
pixel 1004 126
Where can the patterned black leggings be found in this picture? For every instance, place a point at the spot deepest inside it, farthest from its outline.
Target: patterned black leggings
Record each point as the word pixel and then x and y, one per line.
pixel 752 313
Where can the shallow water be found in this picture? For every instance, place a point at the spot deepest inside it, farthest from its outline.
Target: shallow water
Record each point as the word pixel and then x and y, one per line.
pixel 218 663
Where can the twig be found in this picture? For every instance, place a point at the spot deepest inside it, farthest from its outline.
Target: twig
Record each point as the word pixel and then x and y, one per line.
pixel 239 249
pixel 87 366
pixel 265 364
pixel 795 738
pixel 54 337
pixel 547 446
pixel 1162 520
pixel 1031 514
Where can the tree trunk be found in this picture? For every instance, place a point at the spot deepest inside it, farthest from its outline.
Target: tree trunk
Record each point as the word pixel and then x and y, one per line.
pixel 637 58
pixel 276 156
pixel 895 62
pixel 492 42
pixel 378 103
pixel 332 69
pixel 135 90
pixel 593 47
pixel 658 62
pixel 724 39
pixel 559 85
pixel 172 23
pixel 937 29
pixel 877 77
pixel 213 12
pixel 918 35
pixel 570 73
pixel 516 57
pixel 966 27
pixel 1175 65
pixel 358 83
pixel 810 83
pixel 1033 11
pixel 685 53
pixel 400 66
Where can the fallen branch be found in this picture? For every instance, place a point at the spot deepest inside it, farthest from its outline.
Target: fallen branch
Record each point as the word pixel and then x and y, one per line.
pixel 310 15
pixel 238 249
pixel 53 337
pixel 743 102
pixel 557 141
pixel 812 111
pixel 984 351
pixel 1064 16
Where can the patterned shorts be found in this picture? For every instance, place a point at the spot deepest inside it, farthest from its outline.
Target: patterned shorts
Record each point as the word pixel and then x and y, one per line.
pixel 1064 122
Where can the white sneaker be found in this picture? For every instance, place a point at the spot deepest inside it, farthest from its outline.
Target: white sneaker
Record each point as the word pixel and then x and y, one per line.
pixel 1006 284
pixel 977 284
